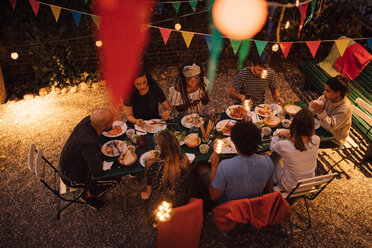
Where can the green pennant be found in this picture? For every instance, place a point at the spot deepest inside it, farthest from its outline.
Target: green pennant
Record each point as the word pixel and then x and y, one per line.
pixel 85 1
pixel 313 3
pixel 216 48
pixel 243 52
pixel 176 6
pixel 193 4
pixel 235 45
pixel 260 44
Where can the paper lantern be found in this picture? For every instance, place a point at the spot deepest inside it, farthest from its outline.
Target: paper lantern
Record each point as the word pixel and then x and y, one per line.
pixel 239 19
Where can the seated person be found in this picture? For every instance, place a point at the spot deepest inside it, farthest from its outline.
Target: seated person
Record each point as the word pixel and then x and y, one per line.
pixel 144 101
pixel 168 175
pixel 251 83
pixel 296 156
pixel 189 93
pixel 81 157
pixel 244 176
pixel 334 110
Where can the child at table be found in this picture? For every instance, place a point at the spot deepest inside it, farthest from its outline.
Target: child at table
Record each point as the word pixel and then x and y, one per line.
pixel 295 157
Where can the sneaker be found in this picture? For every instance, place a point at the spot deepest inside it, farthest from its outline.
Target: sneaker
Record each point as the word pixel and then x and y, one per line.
pixel 93 202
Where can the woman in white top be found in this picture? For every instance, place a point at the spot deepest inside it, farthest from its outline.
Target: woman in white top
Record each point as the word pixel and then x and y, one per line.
pixel 189 93
pixel 298 153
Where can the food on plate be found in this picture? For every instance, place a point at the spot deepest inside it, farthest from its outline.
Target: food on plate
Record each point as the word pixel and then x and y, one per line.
pixel 111 148
pixel 115 130
pixel 272 121
pixel 180 135
pixel 291 109
pixel 152 155
pixel 155 122
pixel 204 148
pixel 192 140
pixel 264 109
pixel 227 128
pixel 128 156
pixel 238 112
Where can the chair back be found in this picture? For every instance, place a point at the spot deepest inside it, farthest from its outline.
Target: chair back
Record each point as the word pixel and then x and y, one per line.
pixel 184 228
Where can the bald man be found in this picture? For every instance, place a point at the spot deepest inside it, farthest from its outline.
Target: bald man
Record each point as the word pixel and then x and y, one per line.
pixel 81 157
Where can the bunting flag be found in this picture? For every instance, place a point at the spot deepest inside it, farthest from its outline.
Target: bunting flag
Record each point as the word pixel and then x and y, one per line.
pixel 176 6
pixel 279 25
pixel 187 36
pixel 270 21
pixel 124 41
pixel 285 46
pixel 77 17
pixel 313 3
pixel 35 6
pixel 165 33
pixel 260 46
pixel 85 1
pixel 208 39
pixel 313 46
pixel 96 20
pixel 160 7
pixel 243 52
pixel 13 3
pixel 193 4
pixel 342 45
pixel 370 44
pixel 235 45
pixel 56 12
pixel 303 9
pixel 216 48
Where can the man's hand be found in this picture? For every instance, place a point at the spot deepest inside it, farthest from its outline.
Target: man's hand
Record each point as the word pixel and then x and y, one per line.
pixel 284 133
pixel 166 114
pixel 317 107
pixel 140 122
pixel 280 101
pixel 145 195
pixel 215 160
pixel 194 102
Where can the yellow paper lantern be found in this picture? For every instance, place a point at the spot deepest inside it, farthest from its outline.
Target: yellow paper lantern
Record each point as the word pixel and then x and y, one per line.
pixel 239 19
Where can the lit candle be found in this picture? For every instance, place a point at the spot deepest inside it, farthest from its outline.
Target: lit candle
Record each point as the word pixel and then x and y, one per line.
pixel 163 212
pixel 219 146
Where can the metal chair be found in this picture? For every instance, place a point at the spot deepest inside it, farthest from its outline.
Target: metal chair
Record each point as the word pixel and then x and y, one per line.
pixel 307 189
pixel 49 177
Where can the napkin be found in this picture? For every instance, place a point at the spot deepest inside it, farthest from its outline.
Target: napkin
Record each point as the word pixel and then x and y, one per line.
pixel 142 130
pixel 107 165
pixel 255 117
pixel 232 149
pixel 190 156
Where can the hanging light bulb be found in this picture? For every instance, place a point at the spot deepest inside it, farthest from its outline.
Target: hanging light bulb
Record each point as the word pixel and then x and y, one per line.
pixel 287 24
pixel 177 26
pixel 297 3
pixel 99 43
pixel 14 55
pixel 264 74
pixel 275 47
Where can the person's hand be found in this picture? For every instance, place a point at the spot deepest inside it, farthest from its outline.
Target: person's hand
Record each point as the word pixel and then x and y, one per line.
pixel 317 107
pixel 201 94
pixel 140 122
pixel 166 114
pixel 280 101
pixel 194 103
pixel 284 133
pixel 242 99
pixel 145 195
pixel 215 159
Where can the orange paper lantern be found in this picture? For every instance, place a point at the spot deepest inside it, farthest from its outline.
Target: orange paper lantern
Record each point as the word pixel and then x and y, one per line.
pixel 239 19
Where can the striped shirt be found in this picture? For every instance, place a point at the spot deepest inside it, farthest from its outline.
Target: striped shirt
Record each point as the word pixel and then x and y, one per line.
pixel 252 87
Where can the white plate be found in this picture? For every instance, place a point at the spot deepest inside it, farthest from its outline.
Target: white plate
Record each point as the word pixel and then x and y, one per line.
pixel 277 131
pixel 228 146
pixel 272 106
pixel 151 126
pixel 222 124
pixel 317 123
pixel 111 151
pixel 229 110
pixel 124 128
pixel 149 154
pixel 186 121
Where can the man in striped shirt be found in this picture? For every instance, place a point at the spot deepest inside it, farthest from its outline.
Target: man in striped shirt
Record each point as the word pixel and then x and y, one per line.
pixel 251 82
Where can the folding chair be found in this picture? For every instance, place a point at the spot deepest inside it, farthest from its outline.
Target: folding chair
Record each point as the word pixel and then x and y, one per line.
pixel 49 177
pixel 307 189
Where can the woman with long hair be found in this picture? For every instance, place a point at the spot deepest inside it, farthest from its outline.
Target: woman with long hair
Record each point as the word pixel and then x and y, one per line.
pixel 297 149
pixel 189 93
pixel 167 176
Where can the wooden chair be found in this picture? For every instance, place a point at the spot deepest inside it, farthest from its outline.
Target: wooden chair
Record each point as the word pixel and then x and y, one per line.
pixel 49 177
pixel 307 189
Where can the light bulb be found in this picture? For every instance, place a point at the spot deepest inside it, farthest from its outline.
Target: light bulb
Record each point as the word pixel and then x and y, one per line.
pixel 177 26
pixel 287 24
pixel 275 47
pixel 14 55
pixel 297 3
pixel 264 74
pixel 98 43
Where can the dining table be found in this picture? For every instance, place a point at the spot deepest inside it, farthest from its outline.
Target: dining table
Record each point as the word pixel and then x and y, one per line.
pixel 118 170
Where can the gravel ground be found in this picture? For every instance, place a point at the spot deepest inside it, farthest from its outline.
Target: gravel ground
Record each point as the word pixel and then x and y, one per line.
pixel 341 215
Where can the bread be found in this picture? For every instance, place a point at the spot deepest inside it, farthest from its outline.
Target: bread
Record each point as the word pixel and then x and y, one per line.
pixel 291 109
pixel 128 157
pixel 192 140
pixel 272 121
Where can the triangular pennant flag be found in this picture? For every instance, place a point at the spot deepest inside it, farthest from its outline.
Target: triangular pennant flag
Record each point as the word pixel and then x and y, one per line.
pixel 165 32
pixel 76 16
pixel 187 36
pixel 235 45
pixel 85 1
pixel 193 4
pixel 342 45
pixel 160 7
pixel 260 44
pixel 313 3
pixel 35 6
pixel 96 20
pixel 243 52
pixel 56 11
pixel 13 3
pixel 370 44
pixel 285 46
pixel 303 9
pixel 208 40
pixel 216 48
pixel 313 46
pixel 176 6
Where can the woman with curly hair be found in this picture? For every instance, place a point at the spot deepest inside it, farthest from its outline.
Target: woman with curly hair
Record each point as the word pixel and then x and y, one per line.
pixel 298 152
pixel 189 93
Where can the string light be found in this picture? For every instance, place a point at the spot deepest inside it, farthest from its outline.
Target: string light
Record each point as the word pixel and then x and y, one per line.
pixel 219 146
pixel 163 212
pixel 177 26
pixel 287 24
pixel 275 47
pixel 98 43
pixel 14 55
pixel 247 104
pixel 297 3
pixel 264 74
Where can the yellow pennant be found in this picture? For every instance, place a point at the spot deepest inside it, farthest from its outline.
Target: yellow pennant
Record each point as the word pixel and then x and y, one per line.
pixel 342 45
pixel 56 11
pixel 187 36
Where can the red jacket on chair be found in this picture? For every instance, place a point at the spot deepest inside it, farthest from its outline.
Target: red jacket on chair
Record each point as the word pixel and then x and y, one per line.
pixel 184 229
pixel 269 209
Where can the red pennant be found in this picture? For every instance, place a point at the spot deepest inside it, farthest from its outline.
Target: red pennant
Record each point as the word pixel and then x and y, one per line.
pixel 303 9
pixel 35 6
pixel 165 32
pixel 124 35
pixel 313 46
pixel 13 3
pixel 285 46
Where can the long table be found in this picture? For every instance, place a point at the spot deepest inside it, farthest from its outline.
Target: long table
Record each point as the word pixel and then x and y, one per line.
pixel 119 170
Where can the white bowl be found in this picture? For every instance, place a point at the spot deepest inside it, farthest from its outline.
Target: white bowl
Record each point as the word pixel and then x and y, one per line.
pixel 266 131
pixel 286 123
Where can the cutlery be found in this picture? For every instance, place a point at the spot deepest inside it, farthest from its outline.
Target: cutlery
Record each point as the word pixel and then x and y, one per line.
pixel 113 142
pixel 140 131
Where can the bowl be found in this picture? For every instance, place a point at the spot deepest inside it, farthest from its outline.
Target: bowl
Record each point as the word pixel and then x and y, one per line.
pixel 192 140
pixel 291 109
pixel 286 123
pixel 272 121
pixel 130 133
pixel 204 148
pixel 266 131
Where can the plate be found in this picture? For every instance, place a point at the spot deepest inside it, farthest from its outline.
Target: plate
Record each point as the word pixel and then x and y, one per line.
pixel 237 116
pixel 148 155
pixel 259 108
pixel 109 150
pixel 228 146
pixel 220 127
pixel 186 121
pixel 316 123
pixel 291 109
pixel 152 126
pixel 123 128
